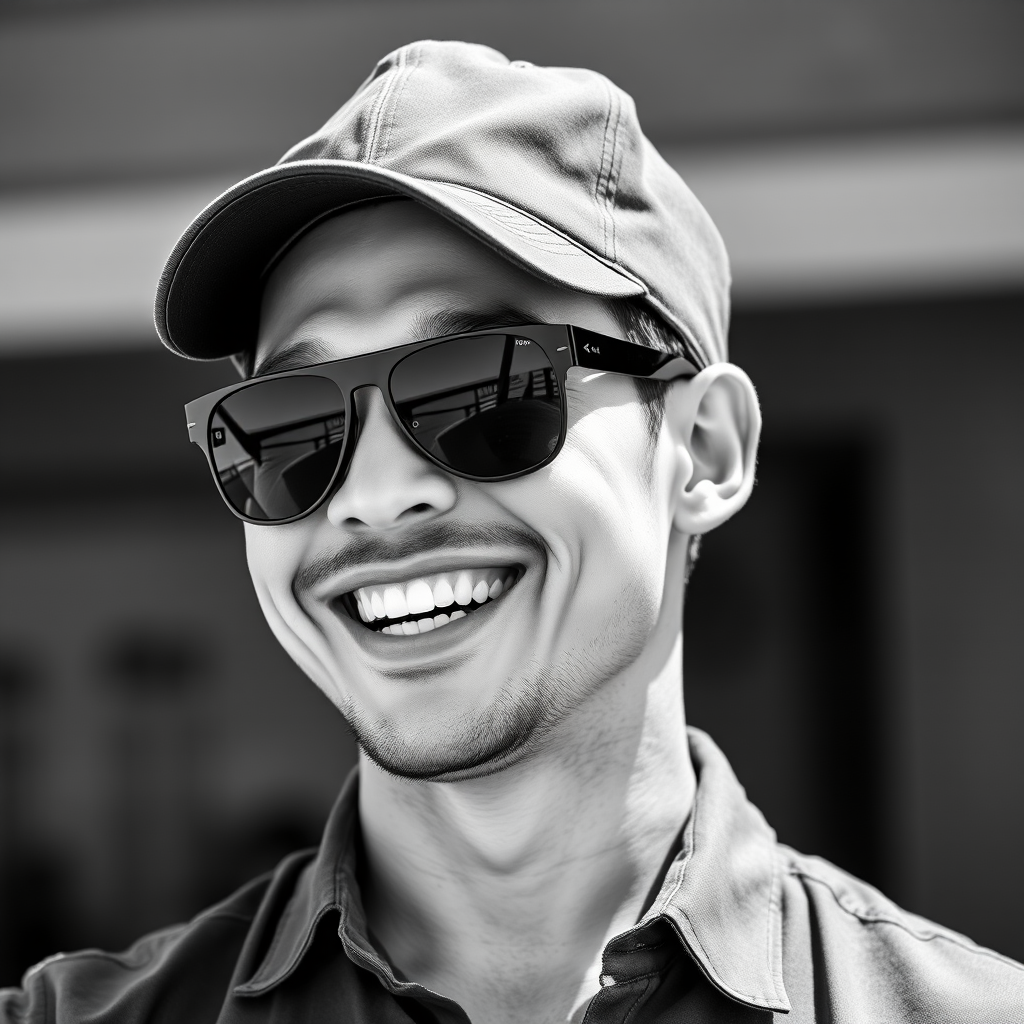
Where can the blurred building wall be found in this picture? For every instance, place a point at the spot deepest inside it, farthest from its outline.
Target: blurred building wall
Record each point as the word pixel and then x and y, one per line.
pixel 864 161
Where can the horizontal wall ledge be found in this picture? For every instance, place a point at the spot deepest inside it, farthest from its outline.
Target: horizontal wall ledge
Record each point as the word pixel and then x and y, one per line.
pixel 803 222
pixel 813 222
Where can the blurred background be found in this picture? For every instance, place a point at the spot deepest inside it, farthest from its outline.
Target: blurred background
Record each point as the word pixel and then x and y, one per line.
pixel 854 638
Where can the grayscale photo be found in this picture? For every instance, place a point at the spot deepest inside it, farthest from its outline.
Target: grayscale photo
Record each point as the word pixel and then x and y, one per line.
pixel 511 512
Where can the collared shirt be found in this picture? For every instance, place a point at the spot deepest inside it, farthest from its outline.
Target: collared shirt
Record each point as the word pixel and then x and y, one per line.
pixel 742 929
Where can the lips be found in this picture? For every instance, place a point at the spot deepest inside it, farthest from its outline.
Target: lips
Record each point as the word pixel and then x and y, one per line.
pixel 426 603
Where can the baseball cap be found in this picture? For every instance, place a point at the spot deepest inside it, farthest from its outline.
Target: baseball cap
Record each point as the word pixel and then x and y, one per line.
pixel 546 165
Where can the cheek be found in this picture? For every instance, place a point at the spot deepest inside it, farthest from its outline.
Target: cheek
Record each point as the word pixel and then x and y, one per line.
pixel 274 554
pixel 607 484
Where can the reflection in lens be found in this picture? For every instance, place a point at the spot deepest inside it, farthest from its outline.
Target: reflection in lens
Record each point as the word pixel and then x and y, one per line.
pixel 487 406
pixel 277 444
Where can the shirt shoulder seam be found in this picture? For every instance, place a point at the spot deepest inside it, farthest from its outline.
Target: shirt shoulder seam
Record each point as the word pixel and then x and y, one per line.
pixel 167 936
pixel 875 917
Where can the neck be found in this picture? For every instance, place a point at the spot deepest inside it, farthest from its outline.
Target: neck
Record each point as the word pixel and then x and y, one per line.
pixel 502 891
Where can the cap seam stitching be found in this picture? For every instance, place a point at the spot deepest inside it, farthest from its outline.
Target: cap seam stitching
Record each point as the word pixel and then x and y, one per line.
pixel 393 114
pixel 600 189
pixel 377 111
pixel 613 176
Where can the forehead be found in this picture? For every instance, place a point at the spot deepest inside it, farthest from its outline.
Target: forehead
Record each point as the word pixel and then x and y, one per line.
pixel 388 273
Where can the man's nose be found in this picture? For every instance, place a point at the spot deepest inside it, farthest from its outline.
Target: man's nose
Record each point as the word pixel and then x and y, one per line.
pixel 388 483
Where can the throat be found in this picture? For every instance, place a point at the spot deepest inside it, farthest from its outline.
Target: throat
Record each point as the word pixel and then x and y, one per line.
pixel 518 949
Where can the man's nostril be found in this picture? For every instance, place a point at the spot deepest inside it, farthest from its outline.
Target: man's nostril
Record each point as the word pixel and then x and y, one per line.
pixel 416 510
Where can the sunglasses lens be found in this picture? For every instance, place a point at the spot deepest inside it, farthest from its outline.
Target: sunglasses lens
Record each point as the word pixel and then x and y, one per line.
pixel 487 406
pixel 276 445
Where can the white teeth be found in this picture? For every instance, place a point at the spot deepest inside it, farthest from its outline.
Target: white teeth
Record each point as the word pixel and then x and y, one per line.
pixel 463 588
pixel 395 604
pixel 424 595
pixel 419 597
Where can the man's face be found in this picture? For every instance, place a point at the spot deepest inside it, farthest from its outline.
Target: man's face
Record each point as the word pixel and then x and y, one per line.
pixel 580 545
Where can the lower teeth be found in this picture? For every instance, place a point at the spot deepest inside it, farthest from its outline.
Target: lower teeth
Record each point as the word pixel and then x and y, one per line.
pixel 414 626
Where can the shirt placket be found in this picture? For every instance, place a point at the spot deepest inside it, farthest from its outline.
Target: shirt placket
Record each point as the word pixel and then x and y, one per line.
pixel 631 968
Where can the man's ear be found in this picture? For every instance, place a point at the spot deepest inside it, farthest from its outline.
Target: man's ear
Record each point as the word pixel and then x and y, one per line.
pixel 715 423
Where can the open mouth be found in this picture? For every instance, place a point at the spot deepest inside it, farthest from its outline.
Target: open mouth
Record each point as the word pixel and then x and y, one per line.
pixel 428 602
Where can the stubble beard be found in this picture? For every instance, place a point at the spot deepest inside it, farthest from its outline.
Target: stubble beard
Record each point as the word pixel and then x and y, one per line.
pixel 527 708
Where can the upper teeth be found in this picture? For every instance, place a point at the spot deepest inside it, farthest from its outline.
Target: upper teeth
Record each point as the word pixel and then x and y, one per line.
pixel 423 595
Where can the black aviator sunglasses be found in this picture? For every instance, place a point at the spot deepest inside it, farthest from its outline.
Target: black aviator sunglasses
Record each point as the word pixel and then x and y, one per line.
pixel 487 405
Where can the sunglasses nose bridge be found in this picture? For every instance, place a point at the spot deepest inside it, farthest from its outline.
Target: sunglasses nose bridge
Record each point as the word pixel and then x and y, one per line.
pixel 361 395
pixel 385 481
pixel 362 402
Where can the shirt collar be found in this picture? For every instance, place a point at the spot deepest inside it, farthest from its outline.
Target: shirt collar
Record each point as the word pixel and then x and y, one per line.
pixel 721 894
pixel 326 883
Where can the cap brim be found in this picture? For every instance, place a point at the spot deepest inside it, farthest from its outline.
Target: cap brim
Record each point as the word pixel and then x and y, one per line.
pixel 207 301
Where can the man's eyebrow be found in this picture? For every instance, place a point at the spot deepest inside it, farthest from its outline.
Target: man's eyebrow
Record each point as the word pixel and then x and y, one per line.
pixel 424 326
pixel 463 321
pixel 303 353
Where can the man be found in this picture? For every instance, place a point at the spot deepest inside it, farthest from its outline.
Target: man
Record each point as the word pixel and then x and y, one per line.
pixel 486 416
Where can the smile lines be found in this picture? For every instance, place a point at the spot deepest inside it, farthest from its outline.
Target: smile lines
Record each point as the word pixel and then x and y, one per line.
pixel 415 606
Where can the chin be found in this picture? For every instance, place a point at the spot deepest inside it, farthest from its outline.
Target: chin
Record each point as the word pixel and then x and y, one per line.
pixel 463 743
pixel 456 728
pixel 448 754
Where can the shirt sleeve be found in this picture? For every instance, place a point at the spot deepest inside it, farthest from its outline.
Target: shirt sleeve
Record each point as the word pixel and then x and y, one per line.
pixel 183 972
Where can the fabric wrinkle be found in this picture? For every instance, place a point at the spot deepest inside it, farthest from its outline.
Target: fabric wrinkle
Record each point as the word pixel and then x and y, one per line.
pixel 837 963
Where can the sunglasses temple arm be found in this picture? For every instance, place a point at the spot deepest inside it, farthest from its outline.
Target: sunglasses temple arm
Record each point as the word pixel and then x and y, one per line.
pixel 675 369
pixel 597 352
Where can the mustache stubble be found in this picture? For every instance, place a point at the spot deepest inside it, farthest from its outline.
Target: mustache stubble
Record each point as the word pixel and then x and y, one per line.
pixel 433 536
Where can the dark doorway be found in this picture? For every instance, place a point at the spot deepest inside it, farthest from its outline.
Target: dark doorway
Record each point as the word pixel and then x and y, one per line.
pixel 782 665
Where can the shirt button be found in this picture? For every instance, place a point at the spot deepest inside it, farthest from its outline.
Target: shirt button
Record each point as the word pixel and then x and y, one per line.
pixel 606 980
